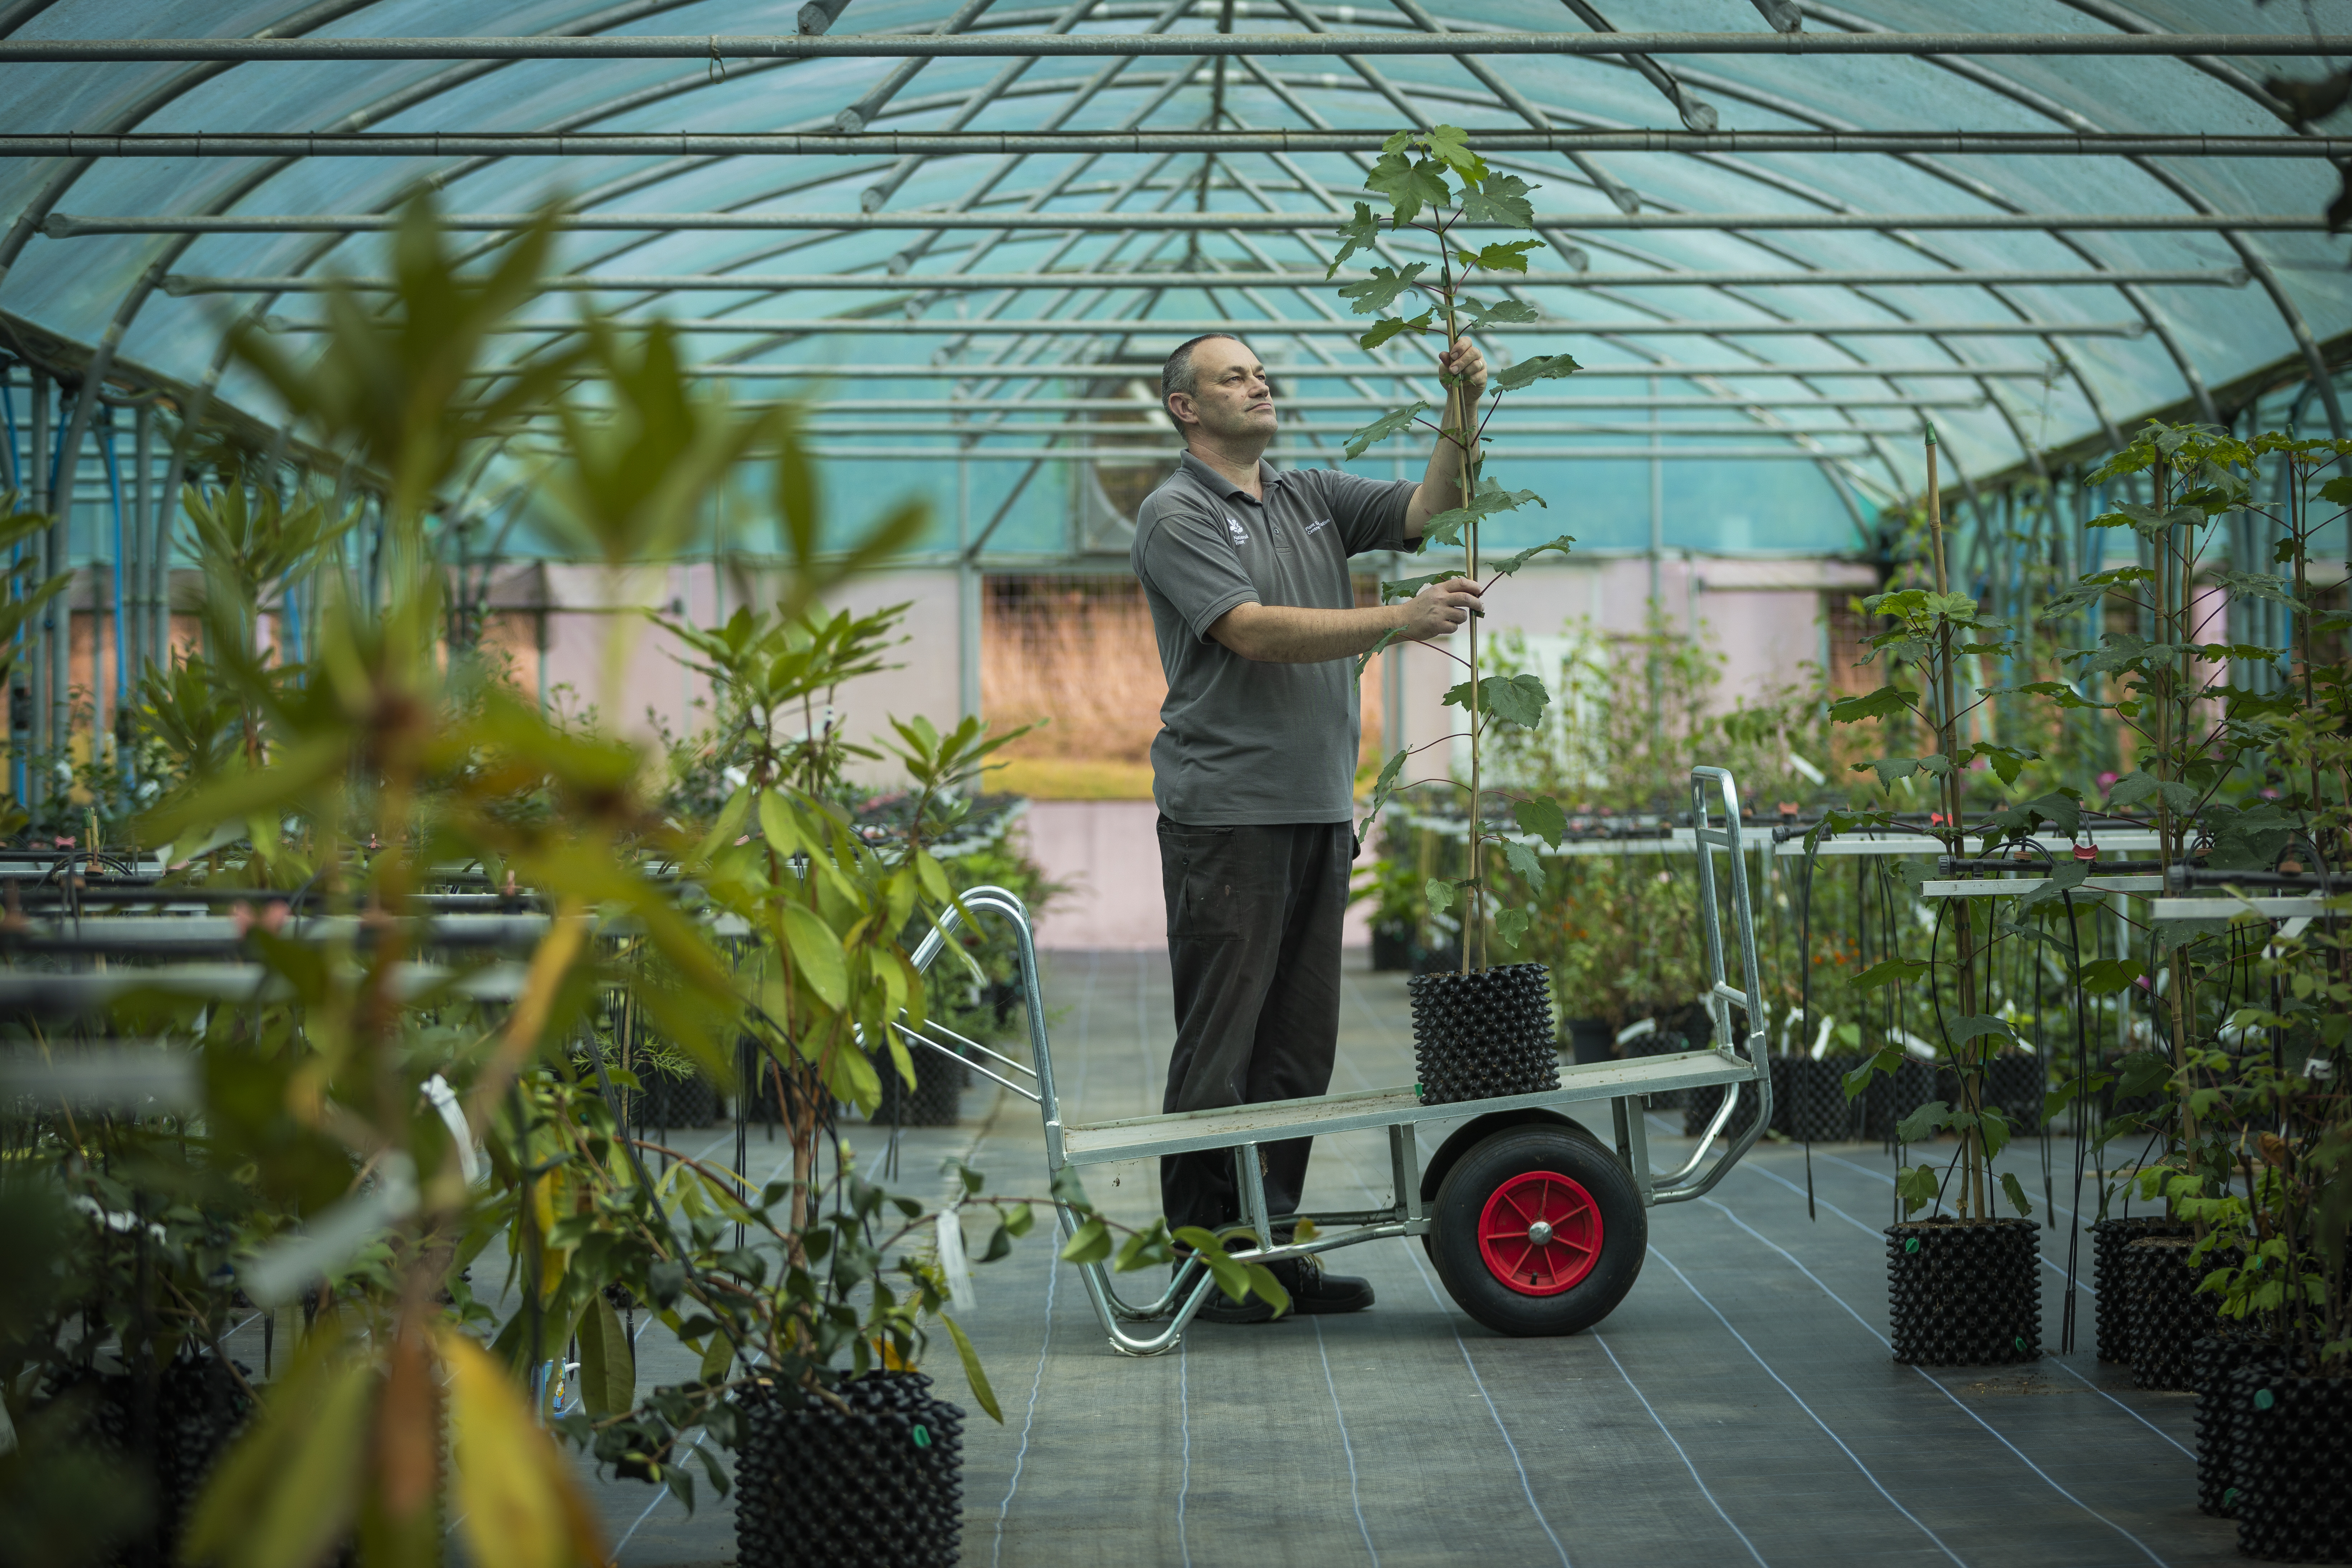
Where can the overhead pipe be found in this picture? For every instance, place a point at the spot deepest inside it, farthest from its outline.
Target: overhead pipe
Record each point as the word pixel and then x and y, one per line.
pixel 1019 327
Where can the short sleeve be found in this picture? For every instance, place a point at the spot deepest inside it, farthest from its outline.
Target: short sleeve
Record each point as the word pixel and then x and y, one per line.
pixel 1188 561
pixel 1369 513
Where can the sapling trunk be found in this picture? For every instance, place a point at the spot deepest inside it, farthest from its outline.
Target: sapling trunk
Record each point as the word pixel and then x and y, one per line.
pixel 1967 1057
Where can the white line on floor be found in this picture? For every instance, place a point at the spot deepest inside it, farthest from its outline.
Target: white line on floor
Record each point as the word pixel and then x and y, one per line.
pixel 1685 1459
pixel 1934 1383
pixel 2055 1267
pixel 1808 1409
pixel 1184 1431
pixel 1355 1492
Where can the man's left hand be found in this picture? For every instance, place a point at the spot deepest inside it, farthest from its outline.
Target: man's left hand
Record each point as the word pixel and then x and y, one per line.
pixel 1464 361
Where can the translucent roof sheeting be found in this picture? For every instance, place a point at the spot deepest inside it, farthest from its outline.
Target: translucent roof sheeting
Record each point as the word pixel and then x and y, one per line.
pixel 1784 408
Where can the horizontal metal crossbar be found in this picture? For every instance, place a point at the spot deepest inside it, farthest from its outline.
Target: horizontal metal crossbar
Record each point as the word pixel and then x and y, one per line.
pixel 2209 908
pixel 949 143
pixel 181 284
pixel 70 226
pixel 1173 330
pixel 2119 840
pixel 1145 1137
pixel 718 47
pixel 1999 887
pixel 1121 370
pixel 1146 455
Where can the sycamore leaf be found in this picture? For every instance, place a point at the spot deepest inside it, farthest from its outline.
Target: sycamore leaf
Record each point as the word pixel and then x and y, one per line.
pixel 1386 425
pixel 2014 1193
pixel 1390 327
pixel 1491 499
pixel 1439 893
pixel 1511 925
pixel 1516 310
pixel 1528 371
pixel 1885 702
pixel 2064 878
pixel 2257 585
pixel 1512 563
pixel 1384 788
pixel 1925 1123
pixel 1506 256
pixel 2106 976
pixel 1979 1024
pixel 1502 198
pixel 1542 815
pixel 1523 858
pixel 1406 587
pixel 1361 232
pixel 1386 637
pixel 1409 184
pixel 1888 972
pixel 1916 1187
pixel 1511 698
pixel 1450 144
pixel 2135 787
pixel 1378 291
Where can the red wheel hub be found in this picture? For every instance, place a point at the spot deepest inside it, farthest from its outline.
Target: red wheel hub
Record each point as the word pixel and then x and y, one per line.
pixel 1539 1233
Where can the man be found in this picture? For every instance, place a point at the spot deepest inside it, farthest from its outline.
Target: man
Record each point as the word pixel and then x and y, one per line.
pixel 1253 770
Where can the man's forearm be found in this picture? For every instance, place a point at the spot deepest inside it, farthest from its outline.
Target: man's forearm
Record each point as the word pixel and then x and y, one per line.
pixel 1441 484
pixel 1292 634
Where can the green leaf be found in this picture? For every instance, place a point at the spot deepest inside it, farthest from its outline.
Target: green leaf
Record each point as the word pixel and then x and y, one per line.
pixel 2106 976
pixel 1857 1082
pixel 973 1373
pixel 1378 292
pixel 1439 893
pixel 2135 787
pixel 608 1363
pixel 289 1483
pixel 1361 232
pixel 1384 788
pixel 1542 815
pixel 1924 1122
pixel 1488 501
pixel 1528 371
pixel 2015 1194
pixel 2258 585
pixel 1516 311
pixel 2064 878
pixel 1917 1188
pixel 1503 256
pixel 1089 1244
pixel 1450 144
pixel 1409 184
pixel 817 953
pixel 776 825
pixel 1523 858
pixel 1383 331
pixel 1888 972
pixel 1980 1024
pixel 1511 564
pixel 1501 199
pixel 1886 702
pixel 1511 698
pixel 1264 1285
pixel 1511 925
pixel 1386 425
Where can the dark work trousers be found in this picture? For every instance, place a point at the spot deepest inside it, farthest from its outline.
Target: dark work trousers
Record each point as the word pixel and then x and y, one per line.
pixel 1254 916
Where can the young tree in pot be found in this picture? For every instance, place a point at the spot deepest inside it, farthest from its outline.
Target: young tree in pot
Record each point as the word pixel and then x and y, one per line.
pixel 1487 1029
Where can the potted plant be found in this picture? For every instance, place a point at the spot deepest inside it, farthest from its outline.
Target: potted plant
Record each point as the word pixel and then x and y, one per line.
pixel 1485 1029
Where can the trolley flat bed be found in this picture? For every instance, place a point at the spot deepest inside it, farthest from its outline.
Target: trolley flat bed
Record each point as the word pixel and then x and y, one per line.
pixel 1536 1226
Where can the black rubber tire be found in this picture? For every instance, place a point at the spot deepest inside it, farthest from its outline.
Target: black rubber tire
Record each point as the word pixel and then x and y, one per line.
pixel 1462 1197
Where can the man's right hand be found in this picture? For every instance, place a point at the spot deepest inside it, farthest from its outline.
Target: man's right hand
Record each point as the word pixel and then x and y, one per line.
pixel 1438 609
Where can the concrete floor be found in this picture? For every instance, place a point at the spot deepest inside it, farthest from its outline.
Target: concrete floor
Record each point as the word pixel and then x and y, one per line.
pixel 1739 1406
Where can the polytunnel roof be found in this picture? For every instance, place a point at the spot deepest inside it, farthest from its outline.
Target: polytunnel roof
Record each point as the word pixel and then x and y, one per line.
pixel 1775 315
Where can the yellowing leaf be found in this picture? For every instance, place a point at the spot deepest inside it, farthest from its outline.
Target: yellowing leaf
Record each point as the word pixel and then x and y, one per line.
pixel 512 1492
pixel 816 953
pixel 289 1487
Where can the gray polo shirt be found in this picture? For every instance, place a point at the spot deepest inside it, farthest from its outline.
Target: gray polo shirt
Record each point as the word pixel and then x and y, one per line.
pixel 1243 742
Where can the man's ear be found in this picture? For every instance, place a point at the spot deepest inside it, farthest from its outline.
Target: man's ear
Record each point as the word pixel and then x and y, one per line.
pixel 1180 415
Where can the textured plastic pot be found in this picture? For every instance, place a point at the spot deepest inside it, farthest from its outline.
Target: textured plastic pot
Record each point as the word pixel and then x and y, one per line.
pixel 881 1484
pixel 1591 1040
pixel 937 1099
pixel 2294 1451
pixel 1813 1103
pixel 2220 1420
pixel 1392 949
pixel 1964 1292
pixel 1659 1043
pixel 1699 1105
pixel 2108 1239
pixel 1484 1034
pixel 2167 1317
pixel 198 1410
pixel 688 1102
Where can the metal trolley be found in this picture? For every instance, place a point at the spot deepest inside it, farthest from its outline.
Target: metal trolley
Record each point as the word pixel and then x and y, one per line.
pixel 1535 1225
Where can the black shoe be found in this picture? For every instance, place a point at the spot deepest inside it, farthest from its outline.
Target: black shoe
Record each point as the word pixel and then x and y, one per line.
pixel 1221 1308
pixel 1312 1290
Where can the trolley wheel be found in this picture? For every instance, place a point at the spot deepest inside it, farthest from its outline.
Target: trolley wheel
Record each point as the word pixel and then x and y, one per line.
pixel 1539 1230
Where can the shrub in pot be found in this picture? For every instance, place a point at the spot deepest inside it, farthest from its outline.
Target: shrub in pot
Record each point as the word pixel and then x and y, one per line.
pixel 1964 1292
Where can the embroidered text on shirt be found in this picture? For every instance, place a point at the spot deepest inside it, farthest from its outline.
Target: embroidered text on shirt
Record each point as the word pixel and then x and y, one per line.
pixel 1240 537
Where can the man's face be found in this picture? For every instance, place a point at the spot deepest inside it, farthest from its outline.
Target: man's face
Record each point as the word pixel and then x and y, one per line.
pixel 1232 397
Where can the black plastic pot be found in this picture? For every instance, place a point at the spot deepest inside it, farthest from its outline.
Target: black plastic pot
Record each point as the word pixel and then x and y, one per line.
pixel 1964 1292
pixel 1591 1040
pixel 1484 1034
pixel 1894 1096
pixel 881 1484
pixel 1436 959
pixel 1392 948
pixel 1812 1104
pixel 2222 1420
pixel 688 1102
pixel 2294 1452
pixel 2167 1317
pixel 198 1409
pixel 1659 1043
pixel 2108 1239
pixel 1699 1105
pixel 937 1099
pixel 2016 1085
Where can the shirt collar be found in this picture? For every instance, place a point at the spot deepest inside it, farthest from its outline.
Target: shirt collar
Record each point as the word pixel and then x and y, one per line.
pixel 1268 477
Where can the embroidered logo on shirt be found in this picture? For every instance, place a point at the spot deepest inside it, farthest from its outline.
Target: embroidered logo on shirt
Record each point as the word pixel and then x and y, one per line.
pixel 1319 522
pixel 1241 536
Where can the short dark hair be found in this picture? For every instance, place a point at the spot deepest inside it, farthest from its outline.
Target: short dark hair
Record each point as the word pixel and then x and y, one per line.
pixel 1177 375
